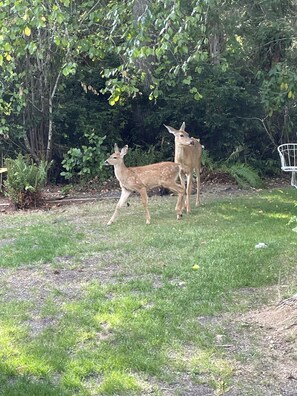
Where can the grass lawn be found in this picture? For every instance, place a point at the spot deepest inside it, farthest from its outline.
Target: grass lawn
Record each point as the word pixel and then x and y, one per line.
pixel 132 309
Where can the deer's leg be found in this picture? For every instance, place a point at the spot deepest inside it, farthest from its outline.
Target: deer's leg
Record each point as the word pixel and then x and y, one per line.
pixel 198 186
pixel 144 199
pixel 180 190
pixel 123 199
pixel 180 204
pixel 183 184
pixel 189 191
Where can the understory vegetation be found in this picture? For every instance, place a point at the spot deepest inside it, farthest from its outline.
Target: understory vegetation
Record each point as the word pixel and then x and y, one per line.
pixel 132 309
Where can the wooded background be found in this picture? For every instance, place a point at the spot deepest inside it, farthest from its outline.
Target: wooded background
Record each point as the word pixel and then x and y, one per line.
pixel 78 76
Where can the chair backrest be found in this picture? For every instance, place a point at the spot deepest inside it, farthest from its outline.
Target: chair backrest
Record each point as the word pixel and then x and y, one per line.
pixel 288 156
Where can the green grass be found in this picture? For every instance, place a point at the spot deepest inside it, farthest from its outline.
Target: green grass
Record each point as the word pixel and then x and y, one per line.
pixel 34 238
pixel 116 309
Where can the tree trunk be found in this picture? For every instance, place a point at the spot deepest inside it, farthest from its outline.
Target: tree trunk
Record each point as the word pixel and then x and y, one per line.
pixel 144 64
pixel 215 32
pixel 50 120
pixel 215 48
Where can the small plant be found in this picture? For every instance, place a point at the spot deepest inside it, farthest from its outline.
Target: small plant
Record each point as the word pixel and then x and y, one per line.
pixel 65 190
pixel 25 180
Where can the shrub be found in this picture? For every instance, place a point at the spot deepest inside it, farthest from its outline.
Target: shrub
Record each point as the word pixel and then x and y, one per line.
pixel 85 163
pixel 139 156
pixel 25 180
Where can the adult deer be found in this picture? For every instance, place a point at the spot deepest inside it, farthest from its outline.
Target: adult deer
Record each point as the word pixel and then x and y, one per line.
pixel 189 158
pixel 143 178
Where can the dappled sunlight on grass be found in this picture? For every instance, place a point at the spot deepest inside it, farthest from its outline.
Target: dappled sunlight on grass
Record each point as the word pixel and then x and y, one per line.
pixel 202 364
pixel 278 216
pixel 114 337
pixel 117 382
pixel 286 196
pixel 21 370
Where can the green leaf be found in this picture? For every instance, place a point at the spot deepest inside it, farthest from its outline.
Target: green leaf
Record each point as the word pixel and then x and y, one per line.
pixel 187 80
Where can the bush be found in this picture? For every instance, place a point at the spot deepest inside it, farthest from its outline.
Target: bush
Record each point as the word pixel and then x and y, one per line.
pixel 25 180
pixel 138 156
pixel 85 164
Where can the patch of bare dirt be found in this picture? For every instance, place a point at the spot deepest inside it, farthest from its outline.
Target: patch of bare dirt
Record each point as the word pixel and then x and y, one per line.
pixel 28 284
pixel 265 343
pixel 282 318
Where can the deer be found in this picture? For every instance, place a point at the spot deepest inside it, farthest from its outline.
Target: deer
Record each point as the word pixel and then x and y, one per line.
pixel 143 178
pixel 189 158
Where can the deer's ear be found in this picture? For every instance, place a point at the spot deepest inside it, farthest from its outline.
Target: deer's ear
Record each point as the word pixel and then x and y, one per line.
pixel 116 148
pixel 124 151
pixel 183 126
pixel 170 129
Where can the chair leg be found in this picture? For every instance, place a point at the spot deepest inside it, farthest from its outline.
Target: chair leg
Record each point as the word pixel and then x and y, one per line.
pixel 294 180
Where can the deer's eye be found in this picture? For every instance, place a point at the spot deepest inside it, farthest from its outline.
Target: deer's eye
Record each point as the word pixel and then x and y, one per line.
pixel 181 135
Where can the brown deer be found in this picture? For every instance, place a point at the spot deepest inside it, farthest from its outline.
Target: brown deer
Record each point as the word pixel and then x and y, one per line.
pixel 143 178
pixel 189 158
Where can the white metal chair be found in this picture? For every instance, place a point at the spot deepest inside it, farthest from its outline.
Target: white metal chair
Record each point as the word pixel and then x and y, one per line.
pixel 2 170
pixel 288 156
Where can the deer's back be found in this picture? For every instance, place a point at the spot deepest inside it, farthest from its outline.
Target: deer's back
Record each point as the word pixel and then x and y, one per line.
pixel 154 175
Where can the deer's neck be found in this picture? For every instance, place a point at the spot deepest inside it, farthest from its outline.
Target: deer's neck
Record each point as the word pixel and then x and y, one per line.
pixel 179 153
pixel 120 170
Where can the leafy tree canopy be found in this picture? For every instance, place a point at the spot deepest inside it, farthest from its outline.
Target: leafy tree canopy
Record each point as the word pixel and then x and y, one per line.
pixel 225 67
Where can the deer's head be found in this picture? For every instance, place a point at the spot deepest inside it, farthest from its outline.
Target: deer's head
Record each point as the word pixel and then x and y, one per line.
pixel 181 136
pixel 116 157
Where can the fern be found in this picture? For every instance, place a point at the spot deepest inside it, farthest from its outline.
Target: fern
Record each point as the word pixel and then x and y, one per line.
pixel 25 180
pixel 245 175
pixel 207 161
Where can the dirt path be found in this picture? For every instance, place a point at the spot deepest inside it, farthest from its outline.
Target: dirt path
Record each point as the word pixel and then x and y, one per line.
pixel 210 190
